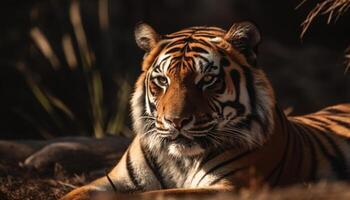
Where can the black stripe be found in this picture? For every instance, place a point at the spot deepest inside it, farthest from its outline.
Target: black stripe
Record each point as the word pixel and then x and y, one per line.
pixel 251 91
pixel 300 134
pixel 202 57
pixel 284 158
pixel 174 43
pixel 205 35
pixel 335 111
pixel 298 147
pixel 276 169
pixel 235 76
pixel 157 70
pixel 335 163
pixel 151 105
pixel 312 118
pixel 313 159
pixel 297 151
pixel 199 50
pixel 202 128
pixel 221 77
pixel 213 154
pixel 338 160
pixel 339 122
pixel 111 182
pixel 212 106
pixel 191 63
pixel 152 164
pixel 227 175
pixel 172 50
pixel 218 106
pixel 224 62
pixel 223 164
pixel 186 32
pixel 279 166
pixel 208 66
pixel 131 172
pixel 209 157
pixel 180 166
pixel 203 42
pixel 250 87
pixel 162 62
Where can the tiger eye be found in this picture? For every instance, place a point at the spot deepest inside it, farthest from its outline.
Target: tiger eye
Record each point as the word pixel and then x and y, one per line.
pixel 208 78
pixel 162 81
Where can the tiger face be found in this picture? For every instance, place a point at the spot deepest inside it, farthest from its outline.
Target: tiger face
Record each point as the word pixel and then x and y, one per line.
pixel 200 91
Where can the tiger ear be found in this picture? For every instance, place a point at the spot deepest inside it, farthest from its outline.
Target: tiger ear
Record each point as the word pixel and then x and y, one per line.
pixel 245 36
pixel 146 37
pixel 244 32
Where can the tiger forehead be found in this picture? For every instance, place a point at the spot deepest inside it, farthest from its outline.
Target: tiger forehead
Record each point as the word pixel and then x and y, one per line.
pixel 187 57
pixel 199 31
pixel 188 52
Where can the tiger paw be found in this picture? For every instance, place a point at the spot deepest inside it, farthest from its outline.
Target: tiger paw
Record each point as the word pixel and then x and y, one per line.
pixel 90 194
pixel 82 193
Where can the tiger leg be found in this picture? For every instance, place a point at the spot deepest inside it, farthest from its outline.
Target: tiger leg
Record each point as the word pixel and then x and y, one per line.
pixel 132 173
pixel 85 193
pixel 88 191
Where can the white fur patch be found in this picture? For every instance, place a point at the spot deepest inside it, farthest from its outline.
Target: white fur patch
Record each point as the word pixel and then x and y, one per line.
pixel 179 150
pixel 137 109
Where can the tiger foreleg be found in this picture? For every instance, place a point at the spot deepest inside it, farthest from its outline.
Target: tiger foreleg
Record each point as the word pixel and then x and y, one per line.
pixel 85 193
pixel 82 193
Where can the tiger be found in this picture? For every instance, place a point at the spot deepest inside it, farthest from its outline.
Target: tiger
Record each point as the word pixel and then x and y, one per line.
pixel 206 120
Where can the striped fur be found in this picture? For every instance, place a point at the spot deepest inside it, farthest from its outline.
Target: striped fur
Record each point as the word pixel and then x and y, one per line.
pixel 206 118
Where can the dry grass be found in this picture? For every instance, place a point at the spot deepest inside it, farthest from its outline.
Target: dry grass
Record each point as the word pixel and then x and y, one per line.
pixel 62 114
pixel 333 9
pixel 347 59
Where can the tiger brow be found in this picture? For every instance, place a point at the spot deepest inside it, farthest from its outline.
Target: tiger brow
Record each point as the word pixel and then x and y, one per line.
pixel 158 68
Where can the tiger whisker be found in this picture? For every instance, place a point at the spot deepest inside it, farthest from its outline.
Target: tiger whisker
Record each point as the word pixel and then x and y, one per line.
pixel 147 117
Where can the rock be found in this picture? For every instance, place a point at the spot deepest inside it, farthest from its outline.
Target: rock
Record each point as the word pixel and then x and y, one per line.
pixel 74 154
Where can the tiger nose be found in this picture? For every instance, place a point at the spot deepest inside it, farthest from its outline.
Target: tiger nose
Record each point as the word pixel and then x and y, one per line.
pixel 178 122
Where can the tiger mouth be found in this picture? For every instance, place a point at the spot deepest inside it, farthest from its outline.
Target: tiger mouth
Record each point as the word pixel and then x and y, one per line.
pixel 183 146
pixel 187 133
pixel 183 141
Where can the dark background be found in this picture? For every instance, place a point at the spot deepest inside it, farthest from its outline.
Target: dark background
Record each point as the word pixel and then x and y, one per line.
pixel 307 74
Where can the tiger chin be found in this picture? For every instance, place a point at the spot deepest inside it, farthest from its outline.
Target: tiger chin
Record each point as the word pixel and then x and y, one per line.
pixel 205 114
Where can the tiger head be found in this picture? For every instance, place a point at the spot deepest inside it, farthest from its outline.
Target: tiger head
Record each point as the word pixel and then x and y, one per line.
pixel 200 90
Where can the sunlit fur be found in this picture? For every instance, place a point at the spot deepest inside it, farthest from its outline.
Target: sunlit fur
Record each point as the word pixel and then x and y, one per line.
pixel 193 137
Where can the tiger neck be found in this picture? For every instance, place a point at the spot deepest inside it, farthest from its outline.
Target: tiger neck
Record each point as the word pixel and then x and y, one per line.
pixel 265 157
pixel 275 151
pixel 281 132
pixel 275 158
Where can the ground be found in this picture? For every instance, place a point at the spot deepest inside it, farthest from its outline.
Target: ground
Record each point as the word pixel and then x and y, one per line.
pixel 19 183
